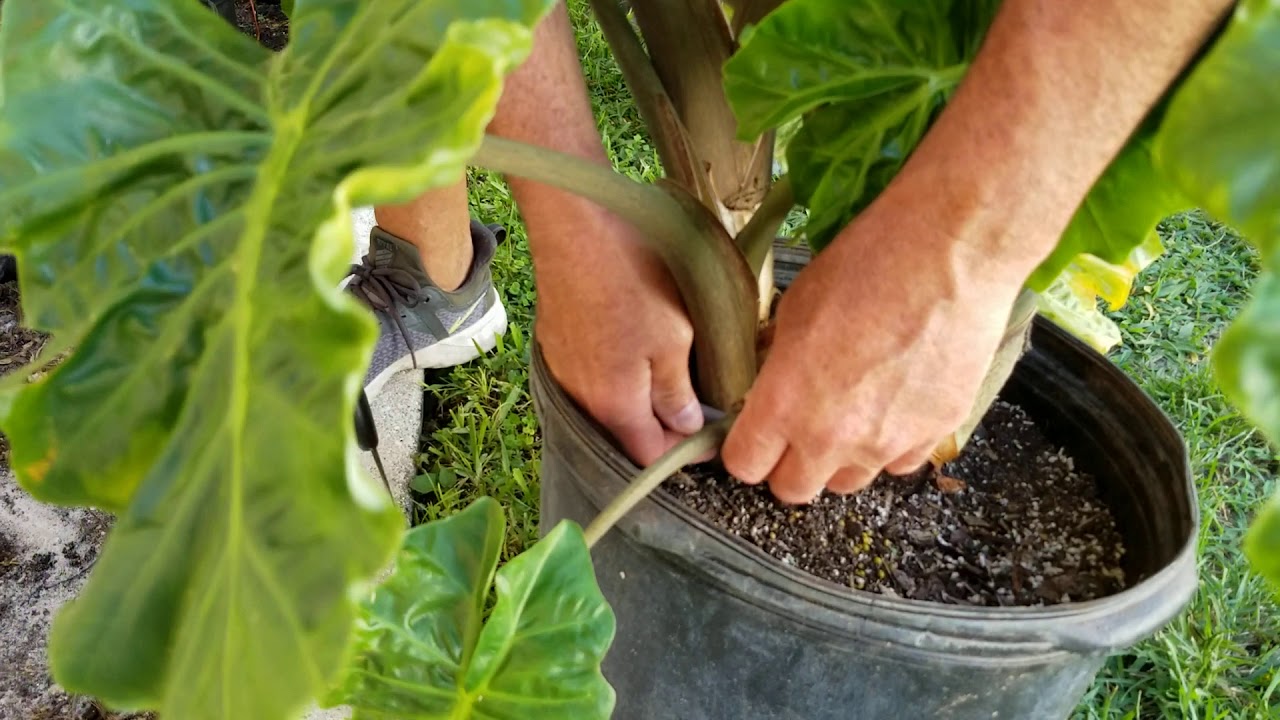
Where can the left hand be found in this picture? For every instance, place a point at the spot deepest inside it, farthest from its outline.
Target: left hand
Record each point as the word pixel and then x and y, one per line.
pixel 880 349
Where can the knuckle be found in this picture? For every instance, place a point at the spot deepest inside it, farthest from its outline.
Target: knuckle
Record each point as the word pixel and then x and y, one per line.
pixel 798 479
pixel 790 493
pixel 683 334
pixel 675 395
pixel 738 463
pixel 851 480
pixel 825 441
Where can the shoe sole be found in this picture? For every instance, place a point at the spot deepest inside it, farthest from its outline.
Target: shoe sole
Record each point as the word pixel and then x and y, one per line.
pixel 468 344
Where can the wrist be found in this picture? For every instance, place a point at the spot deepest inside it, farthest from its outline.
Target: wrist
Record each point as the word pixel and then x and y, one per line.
pixel 970 226
pixel 575 242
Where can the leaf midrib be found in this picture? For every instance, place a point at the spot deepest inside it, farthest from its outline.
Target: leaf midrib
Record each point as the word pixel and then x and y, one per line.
pixel 275 171
pixel 548 545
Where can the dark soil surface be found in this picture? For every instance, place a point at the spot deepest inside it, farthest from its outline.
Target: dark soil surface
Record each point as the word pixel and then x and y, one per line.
pixel 273 25
pixel 1026 529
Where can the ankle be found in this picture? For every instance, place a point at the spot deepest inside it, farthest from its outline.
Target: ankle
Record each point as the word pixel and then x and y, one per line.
pixel 447 270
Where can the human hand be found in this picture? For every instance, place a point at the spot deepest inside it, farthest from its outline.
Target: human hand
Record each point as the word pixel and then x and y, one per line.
pixel 880 349
pixel 615 334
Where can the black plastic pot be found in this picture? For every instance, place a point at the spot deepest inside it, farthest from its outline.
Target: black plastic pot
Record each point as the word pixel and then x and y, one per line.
pixel 710 627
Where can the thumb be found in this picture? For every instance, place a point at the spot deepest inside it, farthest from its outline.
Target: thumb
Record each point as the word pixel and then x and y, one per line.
pixel 674 402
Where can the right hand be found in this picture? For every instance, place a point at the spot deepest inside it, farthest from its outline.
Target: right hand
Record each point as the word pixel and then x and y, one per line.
pixel 615 334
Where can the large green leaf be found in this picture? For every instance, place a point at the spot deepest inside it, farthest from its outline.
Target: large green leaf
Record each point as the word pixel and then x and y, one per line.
pixel 1247 359
pixel 810 53
pixel 851 151
pixel 1220 142
pixel 178 199
pixel 427 652
pixel 869 77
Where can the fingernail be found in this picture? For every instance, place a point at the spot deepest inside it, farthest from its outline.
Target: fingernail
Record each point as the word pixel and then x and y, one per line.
pixel 688 420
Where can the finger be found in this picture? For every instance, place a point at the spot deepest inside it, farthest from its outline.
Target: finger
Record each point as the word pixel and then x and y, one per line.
pixel 751 451
pixel 674 402
pixel 851 479
pixel 642 439
pixel 628 416
pixel 911 461
pixel 797 479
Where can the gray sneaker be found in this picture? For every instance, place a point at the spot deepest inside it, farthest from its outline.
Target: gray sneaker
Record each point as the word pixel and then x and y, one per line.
pixel 422 326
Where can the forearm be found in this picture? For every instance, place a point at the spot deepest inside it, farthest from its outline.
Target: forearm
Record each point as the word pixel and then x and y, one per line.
pixel 545 103
pixel 1053 95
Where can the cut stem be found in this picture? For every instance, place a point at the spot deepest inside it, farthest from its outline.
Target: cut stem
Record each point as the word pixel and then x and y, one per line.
pixel 688 43
pixel 709 438
pixel 757 237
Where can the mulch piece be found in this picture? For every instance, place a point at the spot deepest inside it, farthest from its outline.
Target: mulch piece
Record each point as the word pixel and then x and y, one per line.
pixel 1019 525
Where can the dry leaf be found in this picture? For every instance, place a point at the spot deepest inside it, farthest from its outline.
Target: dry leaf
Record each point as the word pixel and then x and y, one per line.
pixel 949 485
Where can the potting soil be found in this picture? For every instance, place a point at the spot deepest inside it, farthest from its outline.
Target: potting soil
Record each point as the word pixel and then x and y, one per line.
pixel 1011 522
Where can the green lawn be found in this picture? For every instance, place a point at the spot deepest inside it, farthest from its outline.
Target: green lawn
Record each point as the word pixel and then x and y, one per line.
pixel 1219 660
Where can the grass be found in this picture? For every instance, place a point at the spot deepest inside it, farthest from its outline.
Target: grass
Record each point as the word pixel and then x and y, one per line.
pixel 1220 659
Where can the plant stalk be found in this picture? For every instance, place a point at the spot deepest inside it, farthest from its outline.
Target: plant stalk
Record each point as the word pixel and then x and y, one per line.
pixel 689 42
pixel 709 438
pixel 643 205
pixel 679 158
pixel 257 28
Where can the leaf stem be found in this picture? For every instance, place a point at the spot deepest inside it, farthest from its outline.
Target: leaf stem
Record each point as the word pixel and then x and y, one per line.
pixel 645 206
pixel 708 438
pixel 757 237
pixel 714 281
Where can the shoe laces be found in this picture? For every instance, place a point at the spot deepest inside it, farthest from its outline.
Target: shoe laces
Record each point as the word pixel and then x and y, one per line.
pixel 382 289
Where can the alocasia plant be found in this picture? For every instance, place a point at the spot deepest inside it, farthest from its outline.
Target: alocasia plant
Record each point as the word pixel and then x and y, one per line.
pixel 178 198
